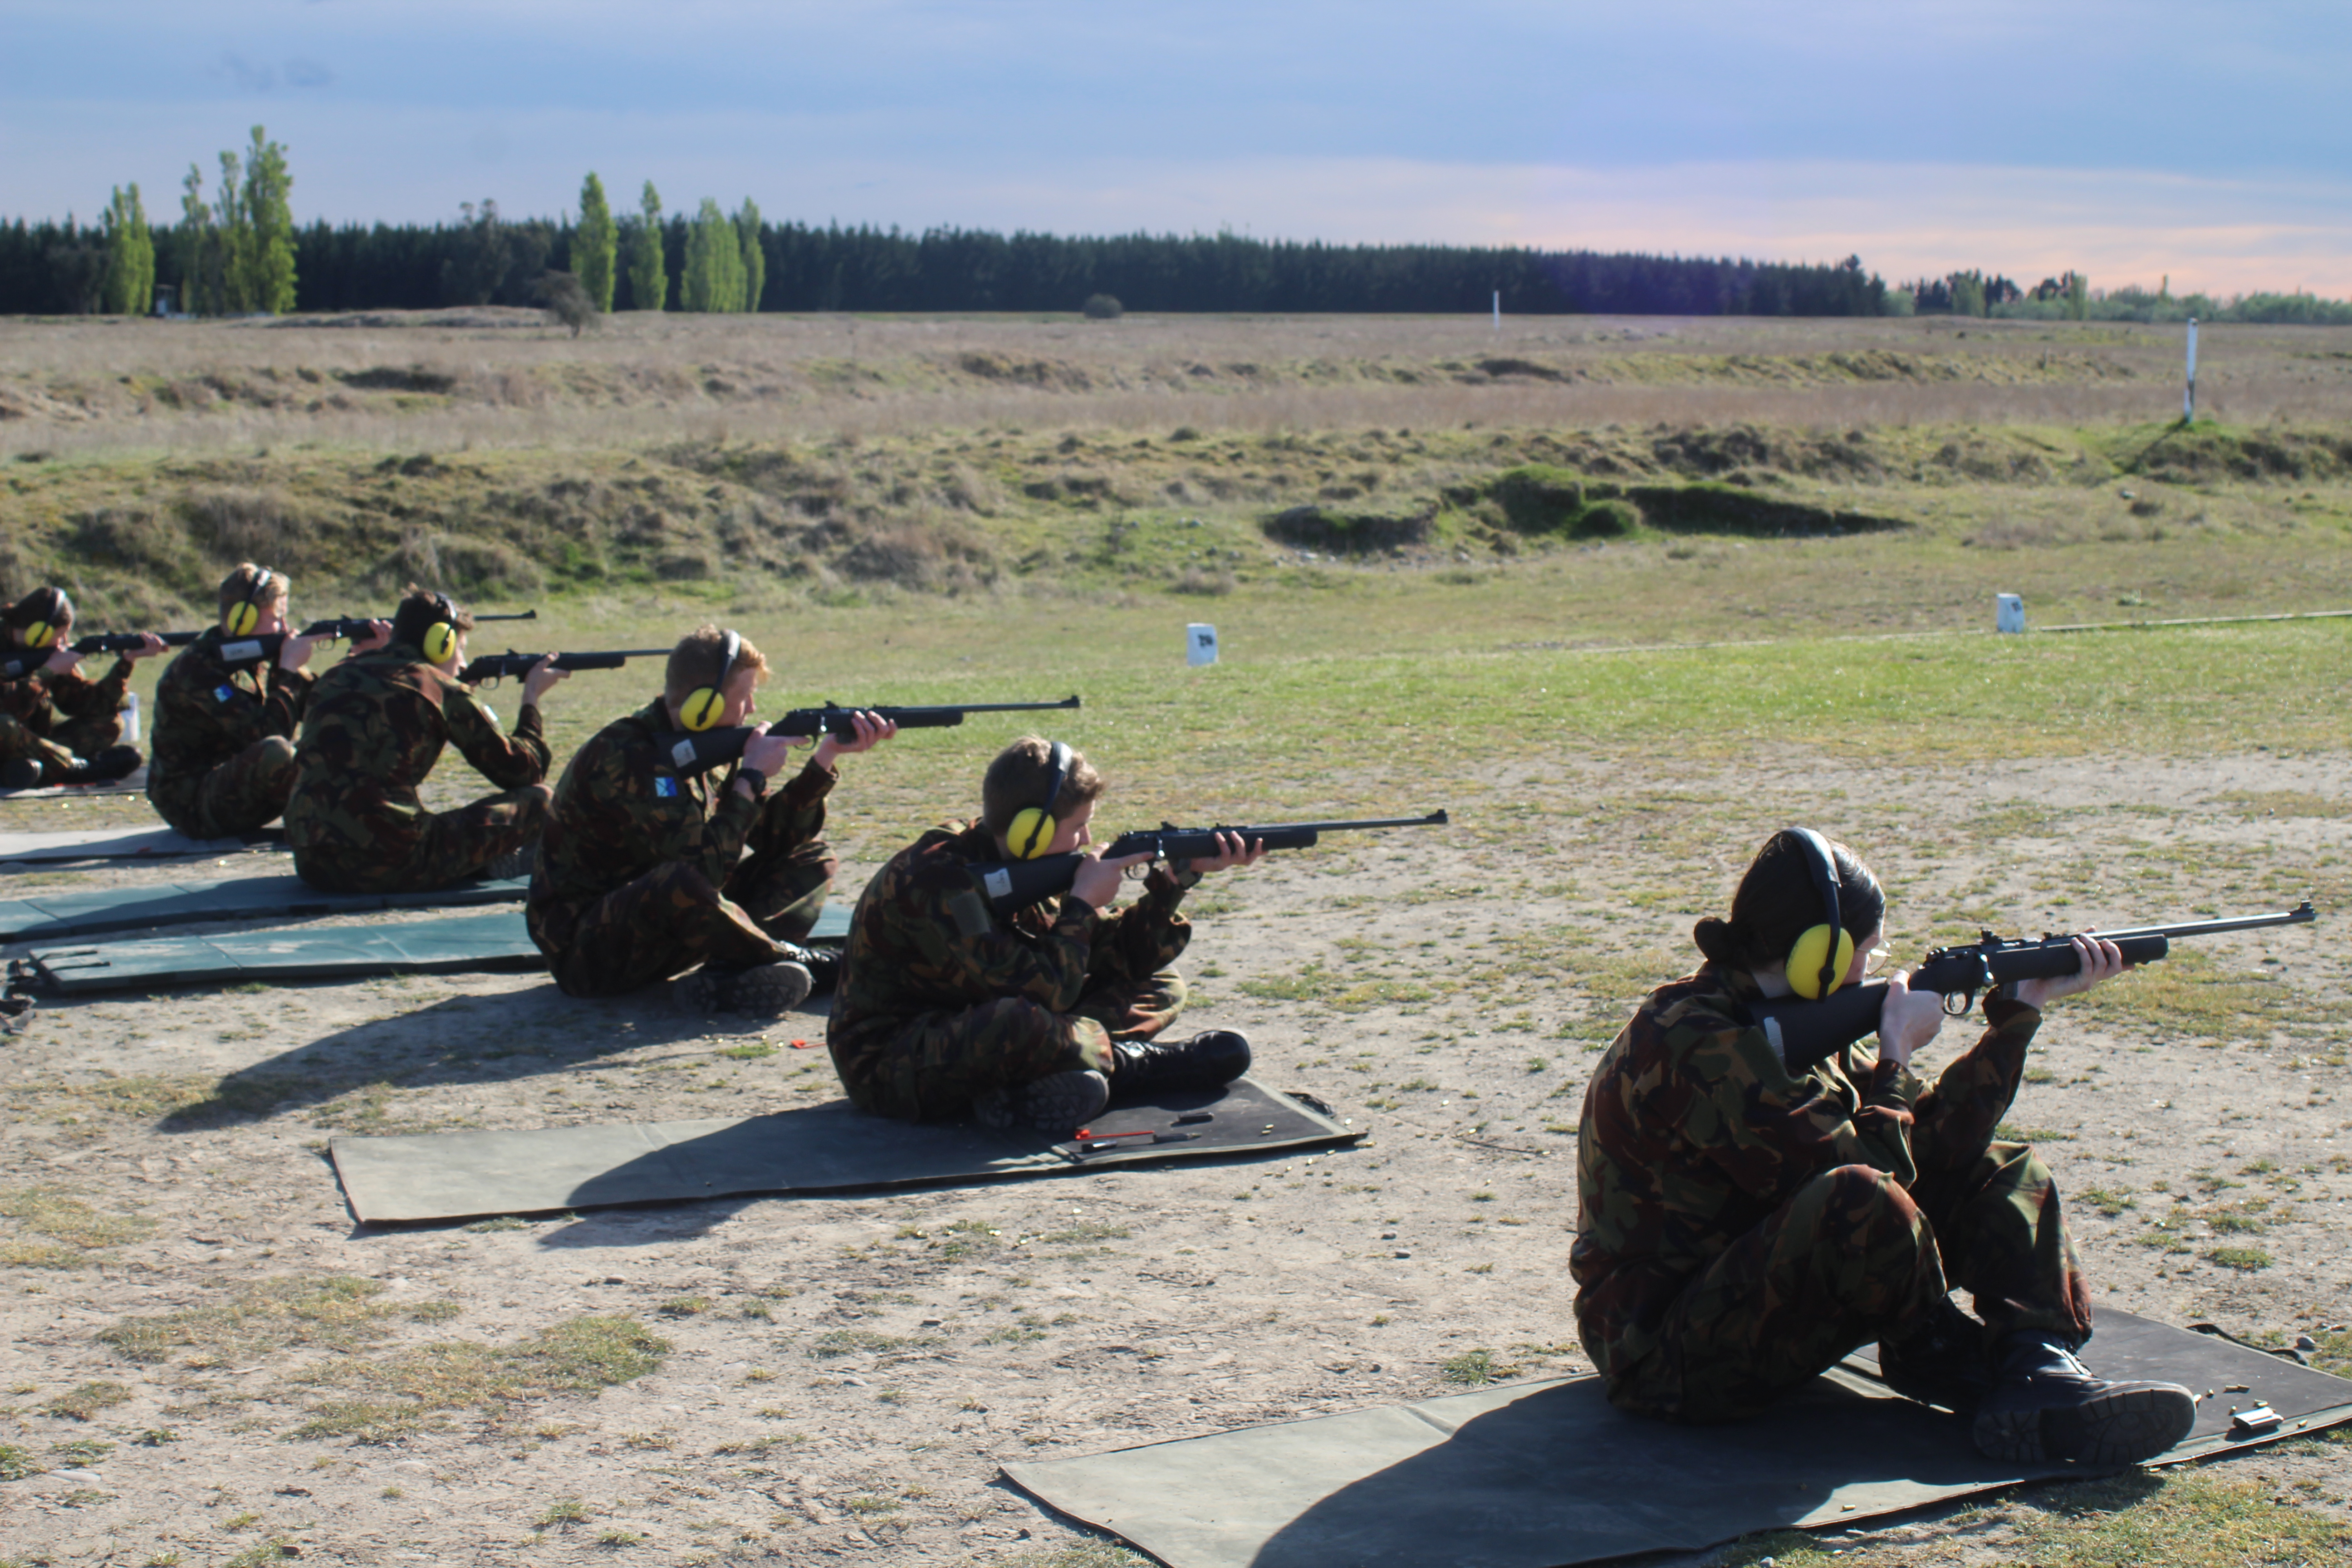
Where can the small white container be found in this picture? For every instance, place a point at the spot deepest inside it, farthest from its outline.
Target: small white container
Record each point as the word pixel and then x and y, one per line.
pixel 1200 644
pixel 130 720
pixel 2008 612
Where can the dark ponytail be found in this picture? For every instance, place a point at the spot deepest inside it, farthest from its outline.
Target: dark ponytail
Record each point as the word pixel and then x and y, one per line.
pixel 1777 901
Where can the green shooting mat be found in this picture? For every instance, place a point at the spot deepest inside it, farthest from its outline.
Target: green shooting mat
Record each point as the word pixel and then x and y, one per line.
pixel 468 943
pixel 810 1149
pixel 422 947
pixel 48 917
pixel 117 843
pixel 1537 1475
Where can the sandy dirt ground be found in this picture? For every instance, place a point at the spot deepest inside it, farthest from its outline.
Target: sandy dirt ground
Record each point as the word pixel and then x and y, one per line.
pixel 842 1377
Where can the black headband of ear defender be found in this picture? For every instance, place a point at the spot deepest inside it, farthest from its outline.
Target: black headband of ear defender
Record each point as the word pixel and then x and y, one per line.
pixel 1822 866
pixel 1057 772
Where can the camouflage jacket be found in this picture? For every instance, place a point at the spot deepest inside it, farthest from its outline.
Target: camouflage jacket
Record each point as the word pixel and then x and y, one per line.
pixel 621 810
pixel 208 711
pixel 1694 1134
pixel 374 726
pixel 923 940
pixel 46 699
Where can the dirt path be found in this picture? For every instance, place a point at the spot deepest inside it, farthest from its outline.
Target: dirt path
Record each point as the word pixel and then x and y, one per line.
pixel 844 1375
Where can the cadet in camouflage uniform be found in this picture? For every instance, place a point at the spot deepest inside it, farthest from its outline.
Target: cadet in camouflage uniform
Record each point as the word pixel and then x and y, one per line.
pixel 223 744
pixel 56 725
pixel 946 1008
pixel 374 726
pixel 643 873
pixel 1743 1227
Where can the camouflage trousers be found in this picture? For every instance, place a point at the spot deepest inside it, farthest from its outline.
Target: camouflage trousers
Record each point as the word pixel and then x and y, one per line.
pixel 1850 1258
pixel 245 792
pixel 671 919
pixel 75 740
pixel 938 1063
pixel 430 849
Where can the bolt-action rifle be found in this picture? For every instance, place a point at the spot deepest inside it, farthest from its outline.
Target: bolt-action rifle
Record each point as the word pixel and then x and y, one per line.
pixel 340 628
pixel 1806 1031
pixel 32 658
pixel 1014 885
pixel 495 667
pixel 694 753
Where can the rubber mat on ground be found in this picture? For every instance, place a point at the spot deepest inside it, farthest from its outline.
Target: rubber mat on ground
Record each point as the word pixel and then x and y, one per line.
pixel 52 916
pixel 131 843
pixel 458 945
pixel 132 783
pixel 809 1149
pixel 1538 1475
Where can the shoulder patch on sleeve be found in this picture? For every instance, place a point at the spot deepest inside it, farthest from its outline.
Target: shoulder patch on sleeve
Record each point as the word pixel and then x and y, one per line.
pixel 970 915
pixel 223 693
pixel 492 714
pixel 665 787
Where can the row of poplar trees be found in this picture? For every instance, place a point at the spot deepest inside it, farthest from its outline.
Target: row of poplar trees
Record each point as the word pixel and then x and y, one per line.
pixel 234 254
pixel 725 267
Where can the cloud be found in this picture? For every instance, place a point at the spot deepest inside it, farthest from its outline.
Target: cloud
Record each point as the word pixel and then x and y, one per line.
pixel 301 72
pixel 244 75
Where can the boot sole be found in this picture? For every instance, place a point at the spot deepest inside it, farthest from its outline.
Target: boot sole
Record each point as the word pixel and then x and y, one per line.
pixel 2126 1428
pixel 1058 1104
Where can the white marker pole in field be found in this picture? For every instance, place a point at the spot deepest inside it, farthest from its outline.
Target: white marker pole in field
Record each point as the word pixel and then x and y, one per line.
pixel 2189 397
pixel 1498 313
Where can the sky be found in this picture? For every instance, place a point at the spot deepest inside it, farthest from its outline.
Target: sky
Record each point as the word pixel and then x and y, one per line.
pixel 2137 142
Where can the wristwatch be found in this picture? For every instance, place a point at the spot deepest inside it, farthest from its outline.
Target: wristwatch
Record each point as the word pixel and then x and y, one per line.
pixel 759 780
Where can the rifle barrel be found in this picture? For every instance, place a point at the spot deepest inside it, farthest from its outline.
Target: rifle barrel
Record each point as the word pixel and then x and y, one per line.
pixel 2301 914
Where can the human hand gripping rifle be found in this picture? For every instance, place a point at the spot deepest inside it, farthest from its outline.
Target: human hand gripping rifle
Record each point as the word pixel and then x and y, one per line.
pixel 32 658
pixel 338 628
pixel 696 754
pixel 1807 1032
pixel 495 667
pixel 1014 885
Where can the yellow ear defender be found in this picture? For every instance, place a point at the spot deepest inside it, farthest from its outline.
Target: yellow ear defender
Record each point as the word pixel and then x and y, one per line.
pixel 1034 826
pixel 1821 955
pixel 440 639
pixel 704 704
pixel 246 615
pixel 56 612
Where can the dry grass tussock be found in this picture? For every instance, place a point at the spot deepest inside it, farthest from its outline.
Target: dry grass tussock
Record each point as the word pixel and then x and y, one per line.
pixel 446 381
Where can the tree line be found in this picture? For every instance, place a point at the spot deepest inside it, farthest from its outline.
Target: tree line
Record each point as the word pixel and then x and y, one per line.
pixel 240 252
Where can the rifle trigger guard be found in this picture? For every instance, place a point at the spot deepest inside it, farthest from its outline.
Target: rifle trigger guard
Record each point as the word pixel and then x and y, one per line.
pixel 1966 999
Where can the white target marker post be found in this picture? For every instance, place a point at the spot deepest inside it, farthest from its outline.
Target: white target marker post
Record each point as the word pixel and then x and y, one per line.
pixel 1200 644
pixel 2008 612
pixel 2188 394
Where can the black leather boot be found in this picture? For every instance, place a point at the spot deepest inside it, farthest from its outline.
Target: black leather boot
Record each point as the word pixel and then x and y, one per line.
pixel 824 964
pixel 1942 1358
pixel 1142 1069
pixel 2047 1404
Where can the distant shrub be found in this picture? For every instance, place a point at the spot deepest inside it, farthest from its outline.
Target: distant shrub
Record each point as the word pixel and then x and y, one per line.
pixel 1606 519
pixel 565 299
pixel 1538 499
pixel 1104 308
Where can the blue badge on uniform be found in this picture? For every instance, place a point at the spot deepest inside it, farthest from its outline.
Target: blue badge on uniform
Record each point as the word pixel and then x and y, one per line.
pixel 223 693
pixel 665 788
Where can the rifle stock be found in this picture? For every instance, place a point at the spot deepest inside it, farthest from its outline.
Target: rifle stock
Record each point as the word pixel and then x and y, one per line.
pixel 494 666
pixel 1014 885
pixel 1808 1032
pixel 23 664
pixel 695 753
